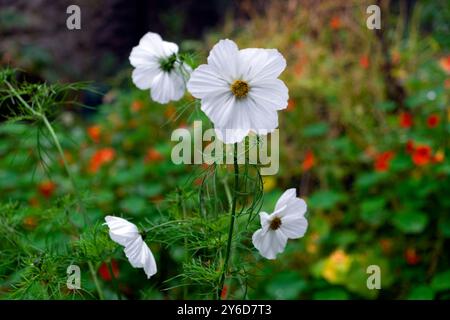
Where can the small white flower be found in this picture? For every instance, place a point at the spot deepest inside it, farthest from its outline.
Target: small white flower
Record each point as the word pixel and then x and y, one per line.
pixel 239 90
pixel 127 234
pixel 158 68
pixel 287 222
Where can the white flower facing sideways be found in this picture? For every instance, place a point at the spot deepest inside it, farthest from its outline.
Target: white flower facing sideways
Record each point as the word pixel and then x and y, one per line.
pixel 127 234
pixel 286 222
pixel 158 68
pixel 240 90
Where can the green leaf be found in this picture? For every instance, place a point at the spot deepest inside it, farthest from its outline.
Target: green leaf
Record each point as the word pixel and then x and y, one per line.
pixel 410 222
pixel 331 294
pixel 286 285
pixel 316 130
pixel 441 281
pixel 421 293
pixel 326 199
pixel 373 211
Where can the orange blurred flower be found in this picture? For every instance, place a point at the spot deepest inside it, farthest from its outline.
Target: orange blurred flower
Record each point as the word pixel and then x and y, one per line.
pixel 383 161
pixel 386 245
pixel 104 270
pixel 94 133
pixel 335 23
pixel 136 105
pixel 364 61
pixel 153 155
pixel 439 156
pixel 421 155
pixel 30 223
pixel 405 120
pixel 411 256
pixel 100 157
pixel 291 105
pixel 309 161
pixel 47 188
pixel 170 112
pixel 223 294
pixel 444 62
pixel 447 83
pixel 433 121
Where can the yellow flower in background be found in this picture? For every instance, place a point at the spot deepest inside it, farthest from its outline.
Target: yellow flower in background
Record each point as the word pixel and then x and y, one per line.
pixel 269 183
pixel 336 266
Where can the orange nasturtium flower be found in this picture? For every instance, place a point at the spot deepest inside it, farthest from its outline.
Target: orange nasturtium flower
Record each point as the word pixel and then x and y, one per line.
pixel 444 62
pixel 153 155
pixel 47 188
pixel 309 161
pixel 405 120
pixel 433 121
pixel 335 23
pixel 421 155
pixel 364 61
pixel 94 133
pixel 383 161
pixel 100 157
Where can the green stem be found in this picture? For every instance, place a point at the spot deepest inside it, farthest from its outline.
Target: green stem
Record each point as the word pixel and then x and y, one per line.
pixel 232 220
pixel 96 282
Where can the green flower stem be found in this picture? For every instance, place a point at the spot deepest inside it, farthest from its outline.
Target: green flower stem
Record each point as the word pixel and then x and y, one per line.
pixel 96 282
pixel 232 219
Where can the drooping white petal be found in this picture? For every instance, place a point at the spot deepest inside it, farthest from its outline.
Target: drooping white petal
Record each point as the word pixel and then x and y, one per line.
pixel 271 94
pixel 261 63
pixel 140 256
pixel 269 243
pixel 205 81
pixel 167 86
pixel 295 207
pixel 223 58
pixel 121 231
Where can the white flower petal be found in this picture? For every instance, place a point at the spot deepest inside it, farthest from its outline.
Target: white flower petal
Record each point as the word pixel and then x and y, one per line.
pixel 139 57
pixel 261 63
pixel 143 76
pixel 294 227
pixel 295 207
pixel 285 198
pixel 148 261
pixel 265 219
pixel 205 81
pixel 152 43
pixel 262 119
pixel 269 243
pixel 167 86
pixel 270 93
pixel 223 58
pixel 121 231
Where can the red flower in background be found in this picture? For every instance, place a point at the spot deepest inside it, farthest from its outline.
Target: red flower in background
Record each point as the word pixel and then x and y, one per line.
pixel 291 105
pixel 433 121
pixel 47 188
pixel 223 294
pixel 405 120
pixel 309 161
pixel 383 161
pixel 445 63
pixel 100 157
pixel 335 23
pixel 94 133
pixel 364 61
pixel 153 155
pixel 105 273
pixel 421 155
pixel 411 256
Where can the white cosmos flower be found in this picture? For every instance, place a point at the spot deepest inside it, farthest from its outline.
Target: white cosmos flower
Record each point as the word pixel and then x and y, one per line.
pixel 158 68
pixel 239 90
pixel 287 222
pixel 127 234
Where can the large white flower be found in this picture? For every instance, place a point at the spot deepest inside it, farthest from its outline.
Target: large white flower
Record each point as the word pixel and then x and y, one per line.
pixel 287 222
pixel 239 90
pixel 158 68
pixel 127 234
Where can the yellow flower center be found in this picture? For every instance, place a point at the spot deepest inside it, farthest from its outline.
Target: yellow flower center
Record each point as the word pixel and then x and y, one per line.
pixel 240 88
pixel 275 223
